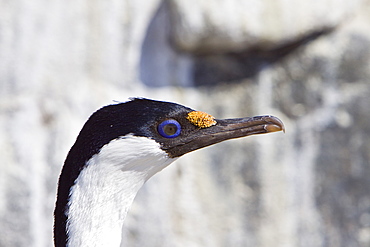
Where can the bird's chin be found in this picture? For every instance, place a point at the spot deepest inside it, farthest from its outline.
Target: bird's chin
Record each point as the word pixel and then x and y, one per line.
pixel 225 129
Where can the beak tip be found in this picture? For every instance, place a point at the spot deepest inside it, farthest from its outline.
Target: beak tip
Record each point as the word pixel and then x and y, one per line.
pixel 274 128
pixel 275 124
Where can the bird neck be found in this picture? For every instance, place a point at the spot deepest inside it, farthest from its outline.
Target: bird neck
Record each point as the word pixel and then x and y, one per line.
pixel 106 187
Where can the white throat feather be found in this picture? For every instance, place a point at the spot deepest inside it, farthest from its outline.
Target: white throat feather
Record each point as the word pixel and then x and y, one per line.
pixel 106 187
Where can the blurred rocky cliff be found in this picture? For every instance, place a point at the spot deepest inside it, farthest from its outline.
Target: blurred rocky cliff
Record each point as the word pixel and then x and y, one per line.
pixel 307 62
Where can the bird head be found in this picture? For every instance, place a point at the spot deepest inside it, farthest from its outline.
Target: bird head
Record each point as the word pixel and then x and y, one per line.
pixel 178 129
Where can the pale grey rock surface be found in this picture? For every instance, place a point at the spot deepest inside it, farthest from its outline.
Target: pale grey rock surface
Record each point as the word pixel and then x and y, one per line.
pixel 232 25
pixel 60 61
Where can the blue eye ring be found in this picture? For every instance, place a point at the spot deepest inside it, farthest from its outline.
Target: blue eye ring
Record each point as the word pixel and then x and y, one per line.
pixel 169 128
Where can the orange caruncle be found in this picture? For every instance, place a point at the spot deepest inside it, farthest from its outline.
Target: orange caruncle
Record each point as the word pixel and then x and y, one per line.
pixel 201 119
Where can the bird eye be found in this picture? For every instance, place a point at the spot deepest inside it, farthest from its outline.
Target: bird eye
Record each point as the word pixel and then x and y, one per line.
pixel 169 128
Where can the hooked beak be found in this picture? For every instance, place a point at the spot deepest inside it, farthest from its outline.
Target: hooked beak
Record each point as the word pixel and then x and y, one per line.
pixel 225 129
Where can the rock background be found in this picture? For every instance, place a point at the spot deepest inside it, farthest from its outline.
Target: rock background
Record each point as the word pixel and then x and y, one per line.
pixel 303 61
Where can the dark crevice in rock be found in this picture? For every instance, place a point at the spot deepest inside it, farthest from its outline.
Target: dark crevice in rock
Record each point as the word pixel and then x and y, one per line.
pixel 212 69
